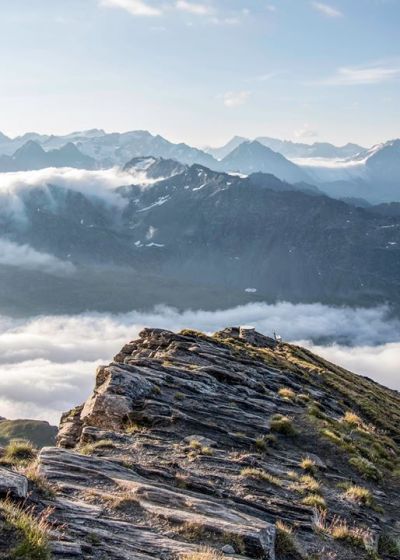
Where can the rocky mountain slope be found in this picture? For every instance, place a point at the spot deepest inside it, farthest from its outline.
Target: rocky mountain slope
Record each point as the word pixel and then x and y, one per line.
pixel 252 157
pixel 235 442
pixel 222 239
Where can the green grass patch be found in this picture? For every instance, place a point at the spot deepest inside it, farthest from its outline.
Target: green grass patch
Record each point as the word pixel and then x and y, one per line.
pixel 282 425
pixel 34 543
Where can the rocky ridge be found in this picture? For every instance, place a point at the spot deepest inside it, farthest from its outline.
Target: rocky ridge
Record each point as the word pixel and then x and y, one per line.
pixel 238 442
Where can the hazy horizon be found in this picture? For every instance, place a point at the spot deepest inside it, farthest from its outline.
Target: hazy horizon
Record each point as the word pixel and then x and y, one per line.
pixel 307 141
pixel 202 71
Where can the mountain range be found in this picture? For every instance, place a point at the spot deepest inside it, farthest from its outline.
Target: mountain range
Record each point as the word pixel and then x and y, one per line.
pixel 291 149
pixel 191 237
pixel 31 156
pixel 350 171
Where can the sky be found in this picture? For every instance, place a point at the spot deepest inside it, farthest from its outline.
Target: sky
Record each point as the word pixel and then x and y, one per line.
pixel 202 71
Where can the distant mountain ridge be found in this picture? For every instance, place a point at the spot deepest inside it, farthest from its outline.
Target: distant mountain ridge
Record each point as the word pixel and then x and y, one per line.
pixel 291 149
pixel 346 172
pixel 31 156
pixel 251 157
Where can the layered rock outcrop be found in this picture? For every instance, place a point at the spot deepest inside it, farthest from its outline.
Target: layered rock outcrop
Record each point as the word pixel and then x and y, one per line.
pixel 238 442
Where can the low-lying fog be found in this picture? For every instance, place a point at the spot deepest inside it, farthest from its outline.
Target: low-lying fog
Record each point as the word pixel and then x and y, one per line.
pixel 47 364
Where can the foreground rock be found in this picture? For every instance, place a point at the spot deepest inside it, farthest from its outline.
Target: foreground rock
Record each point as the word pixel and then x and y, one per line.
pixel 12 483
pixel 235 442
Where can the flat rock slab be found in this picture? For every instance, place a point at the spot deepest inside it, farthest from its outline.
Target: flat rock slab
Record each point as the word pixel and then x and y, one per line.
pixel 177 506
pixel 13 483
pixel 66 549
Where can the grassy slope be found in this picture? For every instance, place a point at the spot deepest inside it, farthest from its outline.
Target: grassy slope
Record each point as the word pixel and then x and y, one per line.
pixel 38 432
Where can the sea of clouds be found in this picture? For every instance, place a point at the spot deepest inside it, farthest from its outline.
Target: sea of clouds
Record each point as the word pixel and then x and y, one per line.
pixel 47 364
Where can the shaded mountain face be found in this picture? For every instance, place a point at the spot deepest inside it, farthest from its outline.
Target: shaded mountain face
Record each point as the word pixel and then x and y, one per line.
pixel 38 432
pixel 373 175
pixel 316 150
pixel 31 156
pixel 223 151
pixel 253 448
pixel 195 238
pixel 384 164
pixel 250 157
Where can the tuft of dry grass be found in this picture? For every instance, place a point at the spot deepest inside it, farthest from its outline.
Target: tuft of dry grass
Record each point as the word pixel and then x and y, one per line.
pixel 308 464
pixel 34 530
pixel 306 483
pixel 19 452
pixel 352 420
pixel 359 495
pixel 315 501
pixel 198 449
pixel 263 442
pixel 40 483
pixel 204 553
pixel 282 425
pixel 339 529
pixel 260 474
pixel 285 543
pixel 287 393
pixel 117 501
pixel 90 448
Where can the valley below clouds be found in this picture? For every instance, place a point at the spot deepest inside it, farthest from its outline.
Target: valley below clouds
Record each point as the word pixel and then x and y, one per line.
pixel 48 363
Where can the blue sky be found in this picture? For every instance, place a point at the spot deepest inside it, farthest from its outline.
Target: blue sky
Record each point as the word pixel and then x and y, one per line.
pixel 201 71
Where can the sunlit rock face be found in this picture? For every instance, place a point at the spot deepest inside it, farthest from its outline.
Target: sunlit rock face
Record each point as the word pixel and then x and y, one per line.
pixel 238 442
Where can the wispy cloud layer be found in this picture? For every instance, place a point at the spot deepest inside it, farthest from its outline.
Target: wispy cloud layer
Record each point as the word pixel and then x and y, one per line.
pixel 194 8
pixel 27 258
pixel 145 8
pixel 47 364
pixel 134 7
pixel 99 185
pixel 206 9
pixel 363 75
pixel 380 363
pixel 235 98
pixel 327 10
pixel 306 131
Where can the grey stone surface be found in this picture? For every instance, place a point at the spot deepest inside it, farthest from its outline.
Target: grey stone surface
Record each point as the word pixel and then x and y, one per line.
pixel 13 483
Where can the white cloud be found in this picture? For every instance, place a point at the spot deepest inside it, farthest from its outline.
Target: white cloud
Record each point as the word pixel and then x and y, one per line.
pixel 47 364
pixel 266 77
pixel 380 363
pixel 235 98
pixel 99 185
pixel 134 7
pixel 27 258
pixel 327 10
pixel 374 74
pixel 306 131
pixel 233 20
pixel 194 8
